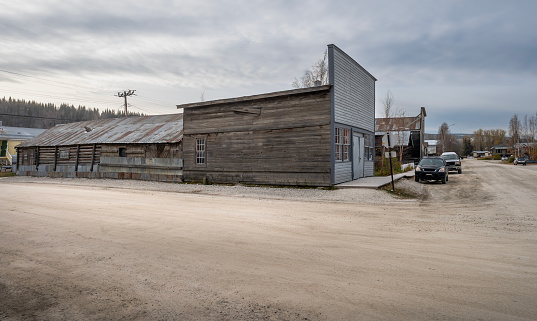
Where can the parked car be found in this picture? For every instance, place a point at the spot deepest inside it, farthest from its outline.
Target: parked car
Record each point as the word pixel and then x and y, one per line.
pixel 453 161
pixel 504 158
pixel 432 168
pixel 520 160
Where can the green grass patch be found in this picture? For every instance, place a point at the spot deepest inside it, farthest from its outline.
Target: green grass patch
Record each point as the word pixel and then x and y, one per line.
pixel 7 174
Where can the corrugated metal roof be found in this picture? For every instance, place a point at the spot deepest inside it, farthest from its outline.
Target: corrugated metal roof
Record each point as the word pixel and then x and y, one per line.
pixel 132 130
pixel 397 137
pixel 401 123
pixel 19 132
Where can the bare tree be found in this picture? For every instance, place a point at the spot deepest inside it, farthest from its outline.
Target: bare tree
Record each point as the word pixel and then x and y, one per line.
pixel 514 132
pixel 528 131
pixel 399 127
pixel 317 72
pixel 478 139
pixel 388 102
pixel 532 133
pixel 444 136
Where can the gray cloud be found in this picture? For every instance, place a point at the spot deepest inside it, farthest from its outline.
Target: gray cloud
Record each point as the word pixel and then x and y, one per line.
pixel 247 47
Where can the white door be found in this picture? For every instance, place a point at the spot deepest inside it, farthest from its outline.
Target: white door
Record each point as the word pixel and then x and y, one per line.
pixel 357 155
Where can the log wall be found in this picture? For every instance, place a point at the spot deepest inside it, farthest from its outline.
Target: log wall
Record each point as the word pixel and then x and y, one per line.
pixel 156 162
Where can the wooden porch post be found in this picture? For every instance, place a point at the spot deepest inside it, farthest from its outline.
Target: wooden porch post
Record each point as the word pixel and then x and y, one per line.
pixel 93 156
pixel 55 157
pixel 77 153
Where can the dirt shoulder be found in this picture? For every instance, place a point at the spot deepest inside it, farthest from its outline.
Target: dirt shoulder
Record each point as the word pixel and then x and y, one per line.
pixel 81 249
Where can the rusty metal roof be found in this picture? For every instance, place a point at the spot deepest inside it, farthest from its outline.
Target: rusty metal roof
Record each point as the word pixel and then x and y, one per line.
pixel 131 130
pixel 397 123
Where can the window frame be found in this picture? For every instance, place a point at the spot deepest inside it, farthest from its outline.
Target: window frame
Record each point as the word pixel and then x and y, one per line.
pixel 200 159
pixel 369 147
pixel 342 150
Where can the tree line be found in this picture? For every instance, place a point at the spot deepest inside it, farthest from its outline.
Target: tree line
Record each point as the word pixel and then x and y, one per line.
pixel 32 114
pixel 521 138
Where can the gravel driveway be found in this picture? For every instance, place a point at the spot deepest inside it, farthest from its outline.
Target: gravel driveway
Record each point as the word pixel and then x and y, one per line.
pixel 74 249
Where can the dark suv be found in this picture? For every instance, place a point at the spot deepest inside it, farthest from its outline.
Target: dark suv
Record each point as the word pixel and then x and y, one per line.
pixel 432 168
pixel 453 161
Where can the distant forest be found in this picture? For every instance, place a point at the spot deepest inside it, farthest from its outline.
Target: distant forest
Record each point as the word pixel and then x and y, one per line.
pixel 31 114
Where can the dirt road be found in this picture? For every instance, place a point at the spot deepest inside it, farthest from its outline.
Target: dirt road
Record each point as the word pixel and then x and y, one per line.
pixel 94 250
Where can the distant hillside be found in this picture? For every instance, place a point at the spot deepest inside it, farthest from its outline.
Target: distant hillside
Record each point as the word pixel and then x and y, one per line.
pixel 31 114
pixel 429 136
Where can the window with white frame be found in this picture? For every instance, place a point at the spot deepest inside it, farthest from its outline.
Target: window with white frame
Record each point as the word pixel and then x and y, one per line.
pixel 343 144
pixel 200 151
pixel 369 146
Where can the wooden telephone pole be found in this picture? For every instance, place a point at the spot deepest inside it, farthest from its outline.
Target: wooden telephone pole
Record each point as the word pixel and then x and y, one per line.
pixel 125 94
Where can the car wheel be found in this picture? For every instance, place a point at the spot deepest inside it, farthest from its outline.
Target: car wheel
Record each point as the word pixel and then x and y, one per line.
pixel 460 171
pixel 416 179
pixel 444 180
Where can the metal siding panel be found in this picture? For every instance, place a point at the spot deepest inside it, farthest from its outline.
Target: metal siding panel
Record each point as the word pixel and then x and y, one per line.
pixel 343 172
pixel 369 169
pixel 354 93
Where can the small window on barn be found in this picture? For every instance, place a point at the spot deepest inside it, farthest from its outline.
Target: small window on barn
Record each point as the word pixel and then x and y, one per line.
pixel 64 154
pixel 122 152
pixel 200 151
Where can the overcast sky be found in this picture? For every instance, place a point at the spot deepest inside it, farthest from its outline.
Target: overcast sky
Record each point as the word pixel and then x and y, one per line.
pixel 470 63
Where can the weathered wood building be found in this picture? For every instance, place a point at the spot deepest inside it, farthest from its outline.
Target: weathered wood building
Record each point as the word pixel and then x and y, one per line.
pixel 147 148
pixel 407 133
pixel 317 136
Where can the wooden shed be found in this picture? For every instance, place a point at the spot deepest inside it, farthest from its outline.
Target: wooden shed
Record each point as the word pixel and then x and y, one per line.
pixel 407 133
pixel 147 148
pixel 317 136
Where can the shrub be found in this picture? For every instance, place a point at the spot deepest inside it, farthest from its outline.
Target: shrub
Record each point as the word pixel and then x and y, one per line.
pixel 485 158
pixel 385 170
pixel 511 159
pixel 497 157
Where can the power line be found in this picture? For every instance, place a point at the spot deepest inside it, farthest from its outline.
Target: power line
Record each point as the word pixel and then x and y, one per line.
pixel 125 94
pixel 64 97
pixel 30 116
pixel 71 86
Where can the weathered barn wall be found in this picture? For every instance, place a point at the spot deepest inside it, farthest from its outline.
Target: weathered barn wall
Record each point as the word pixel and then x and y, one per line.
pixel 146 147
pixel 160 162
pixel 281 139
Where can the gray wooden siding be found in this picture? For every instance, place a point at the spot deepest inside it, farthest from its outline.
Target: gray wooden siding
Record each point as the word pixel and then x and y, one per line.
pixel 280 141
pixel 369 168
pixel 343 172
pixel 354 93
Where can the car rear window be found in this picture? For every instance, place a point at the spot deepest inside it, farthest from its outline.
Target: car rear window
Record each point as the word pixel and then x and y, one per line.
pixel 432 161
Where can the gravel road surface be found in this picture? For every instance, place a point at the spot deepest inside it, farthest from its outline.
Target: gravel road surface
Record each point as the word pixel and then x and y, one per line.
pixel 78 249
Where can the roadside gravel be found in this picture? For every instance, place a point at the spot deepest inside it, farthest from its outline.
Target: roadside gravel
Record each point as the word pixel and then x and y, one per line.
pixel 363 196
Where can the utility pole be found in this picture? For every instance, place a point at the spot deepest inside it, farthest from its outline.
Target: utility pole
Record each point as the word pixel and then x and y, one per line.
pixel 125 94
